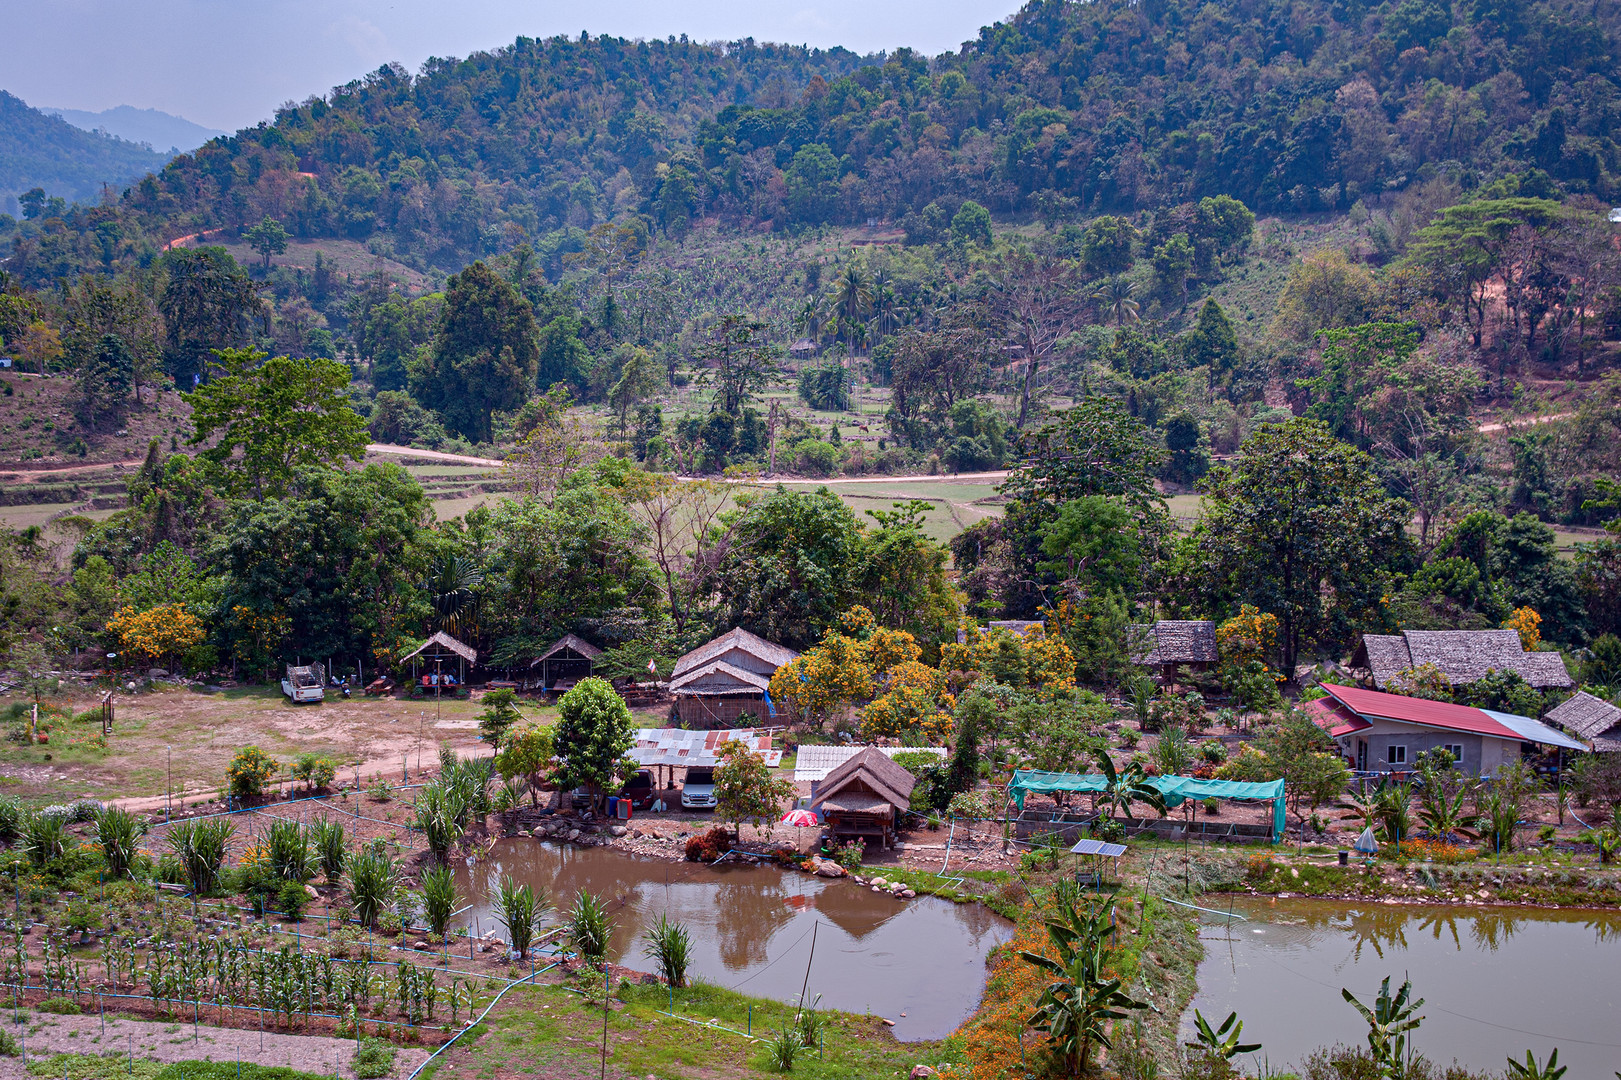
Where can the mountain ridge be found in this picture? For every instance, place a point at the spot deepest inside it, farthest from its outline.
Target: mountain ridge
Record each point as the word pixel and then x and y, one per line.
pixel 158 129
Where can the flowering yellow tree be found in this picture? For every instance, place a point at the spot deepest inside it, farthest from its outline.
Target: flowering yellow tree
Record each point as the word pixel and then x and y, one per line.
pixel 1529 626
pixel 1251 635
pixel 1031 659
pixel 915 697
pixel 164 631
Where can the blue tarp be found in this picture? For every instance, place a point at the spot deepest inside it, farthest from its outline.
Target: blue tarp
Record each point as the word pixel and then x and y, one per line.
pixel 1174 789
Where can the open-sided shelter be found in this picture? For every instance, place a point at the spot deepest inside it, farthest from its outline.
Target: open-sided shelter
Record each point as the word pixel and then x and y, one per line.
pixel 440 652
pixel 727 680
pixel 863 798
pixel 1171 643
pixel 566 662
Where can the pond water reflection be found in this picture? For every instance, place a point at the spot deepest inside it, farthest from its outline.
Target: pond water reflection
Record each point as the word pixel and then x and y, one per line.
pixel 751 929
pixel 1496 981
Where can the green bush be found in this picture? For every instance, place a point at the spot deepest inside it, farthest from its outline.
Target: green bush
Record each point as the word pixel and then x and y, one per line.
pixel 374 1059
pixel 315 770
pixel 291 899
pixel 250 771
pixel 231 1070
pixel 61 1006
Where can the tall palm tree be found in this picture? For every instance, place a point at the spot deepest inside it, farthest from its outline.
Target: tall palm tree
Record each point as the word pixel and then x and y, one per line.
pixel 852 295
pixel 885 315
pixel 1117 297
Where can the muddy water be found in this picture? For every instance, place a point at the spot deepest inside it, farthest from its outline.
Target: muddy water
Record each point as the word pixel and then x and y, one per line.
pixel 1495 981
pixel 751 929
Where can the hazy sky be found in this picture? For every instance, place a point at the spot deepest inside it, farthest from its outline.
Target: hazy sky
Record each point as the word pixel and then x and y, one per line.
pixel 229 63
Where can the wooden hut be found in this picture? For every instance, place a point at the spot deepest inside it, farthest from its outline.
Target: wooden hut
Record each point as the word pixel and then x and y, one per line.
pixel 1463 656
pixel 863 798
pixel 1171 643
pixel 1591 718
pixel 440 652
pixel 725 681
pixel 566 662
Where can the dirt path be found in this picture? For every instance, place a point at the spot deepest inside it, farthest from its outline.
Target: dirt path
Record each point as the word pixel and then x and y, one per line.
pixel 22 472
pixel 49 1034
pixel 1529 421
pixel 923 478
pixel 434 455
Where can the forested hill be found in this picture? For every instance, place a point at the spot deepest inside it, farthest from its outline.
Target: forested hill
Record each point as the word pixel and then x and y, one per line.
pixel 1067 107
pixel 38 150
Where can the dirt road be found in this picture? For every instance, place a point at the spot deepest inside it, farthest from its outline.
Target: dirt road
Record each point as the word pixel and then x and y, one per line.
pixel 434 455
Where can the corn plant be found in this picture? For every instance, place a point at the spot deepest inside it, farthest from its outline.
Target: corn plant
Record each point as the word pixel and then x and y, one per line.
pixel 373 879
pixel 438 898
pixel 519 908
pixel 119 833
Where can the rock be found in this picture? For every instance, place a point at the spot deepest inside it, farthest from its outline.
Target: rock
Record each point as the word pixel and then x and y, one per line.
pixel 156 673
pixel 876 889
pixel 572 834
pixel 919 1072
pixel 618 830
pixel 880 882
pixel 486 947
pixel 910 894
pixel 825 867
pixel 896 887
pixel 311 890
pixel 421 946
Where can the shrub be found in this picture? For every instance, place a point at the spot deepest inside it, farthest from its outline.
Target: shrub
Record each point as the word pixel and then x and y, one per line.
pixel 60 1006
pixel 288 851
pixel 374 1059
pixel 389 923
pixel 707 846
pixel 670 946
pixel 438 898
pixel 291 899
pixel 11 819
pixel 590 929
pixel 81 811
pixel 200 846
pixel 1211 806
pixel 315 770
pixel 328 839
pixel 250 771
pixel 119 833
pixel 850 855
pixel 46 838
pixel 373 879
pixel 519 909
pixel 381 790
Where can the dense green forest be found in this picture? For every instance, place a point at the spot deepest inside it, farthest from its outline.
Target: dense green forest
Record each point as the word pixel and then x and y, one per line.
pixel 63 161
pixel 1107 106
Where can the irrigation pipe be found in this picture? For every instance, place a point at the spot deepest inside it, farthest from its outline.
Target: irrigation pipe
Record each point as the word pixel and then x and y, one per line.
pixel 710 1026
pixel 452 1041
pixel 1213 911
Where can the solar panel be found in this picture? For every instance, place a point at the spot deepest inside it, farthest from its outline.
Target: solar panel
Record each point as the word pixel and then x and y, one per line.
pixel 1098 847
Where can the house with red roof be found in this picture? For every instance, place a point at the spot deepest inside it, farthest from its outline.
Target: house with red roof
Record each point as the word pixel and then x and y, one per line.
pixel 1379 732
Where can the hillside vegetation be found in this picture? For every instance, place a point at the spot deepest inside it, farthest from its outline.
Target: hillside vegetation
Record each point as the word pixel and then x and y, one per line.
pixel 65 162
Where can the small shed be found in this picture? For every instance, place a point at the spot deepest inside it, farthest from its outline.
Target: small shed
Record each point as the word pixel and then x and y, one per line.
pixel 1591 718
pixel 863 798
pixel 1463 656
pixel 1168 644
pixel 566 662
pixel 439 650
pixel 727 680
pixel 803 349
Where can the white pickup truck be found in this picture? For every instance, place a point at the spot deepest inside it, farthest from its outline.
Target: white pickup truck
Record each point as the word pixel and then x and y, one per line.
pixel 304 683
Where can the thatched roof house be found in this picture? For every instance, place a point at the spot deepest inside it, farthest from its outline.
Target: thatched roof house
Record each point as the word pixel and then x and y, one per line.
pixel 439 650
pixel 1463 656
pixel 1170 643
pixel 1591 718
pixel 721 681
pixel 864 797
pixel 566 662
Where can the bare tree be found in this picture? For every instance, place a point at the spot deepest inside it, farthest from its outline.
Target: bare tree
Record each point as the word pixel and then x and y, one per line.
pixel 1038 302
pixel 682 518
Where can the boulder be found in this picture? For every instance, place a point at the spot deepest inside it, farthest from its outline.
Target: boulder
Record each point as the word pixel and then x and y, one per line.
pixel 572 834
pixel 156 673
pixel 618 830
pixel 910 894
pixel 880 883
pixel 421 946
pixel 825 867
pixel 311 890
pixel 919 1072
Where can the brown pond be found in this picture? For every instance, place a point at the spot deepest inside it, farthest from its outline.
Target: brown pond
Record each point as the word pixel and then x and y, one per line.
pixel 751 929
pixel 1495 980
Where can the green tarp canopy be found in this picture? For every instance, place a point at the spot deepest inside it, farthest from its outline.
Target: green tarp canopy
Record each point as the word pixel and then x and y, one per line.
pixel 1175 789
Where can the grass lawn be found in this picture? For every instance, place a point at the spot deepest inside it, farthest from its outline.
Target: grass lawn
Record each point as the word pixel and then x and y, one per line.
pixel 552 1031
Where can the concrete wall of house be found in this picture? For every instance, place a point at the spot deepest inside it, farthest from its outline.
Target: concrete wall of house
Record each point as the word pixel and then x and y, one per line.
pixel 1497 753
pixel 1478 753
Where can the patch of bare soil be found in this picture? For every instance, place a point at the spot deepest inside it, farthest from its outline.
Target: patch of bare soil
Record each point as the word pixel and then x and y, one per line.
pixel 155 1040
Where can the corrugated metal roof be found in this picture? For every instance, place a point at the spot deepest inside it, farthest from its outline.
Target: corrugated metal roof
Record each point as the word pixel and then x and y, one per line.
pixel 1443 714
pixel 678 746
pixel 815 762
pixel 1534 730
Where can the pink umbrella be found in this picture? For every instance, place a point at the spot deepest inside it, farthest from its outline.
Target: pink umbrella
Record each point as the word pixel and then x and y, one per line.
pixel 800 819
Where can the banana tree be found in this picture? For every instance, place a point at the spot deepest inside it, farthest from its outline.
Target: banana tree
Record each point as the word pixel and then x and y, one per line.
pixel 1388 1023
pixel 1223 1041
pixel 1122 787
pixel 1076 1008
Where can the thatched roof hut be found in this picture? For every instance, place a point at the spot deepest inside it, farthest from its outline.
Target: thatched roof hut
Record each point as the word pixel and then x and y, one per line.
pixel 566 662
pixel 865 796
pixel 1463 656
pixel 1591 718
pixel 726 679
pixel 1170 643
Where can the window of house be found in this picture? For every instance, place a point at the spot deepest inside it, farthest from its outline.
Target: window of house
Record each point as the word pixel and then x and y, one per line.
pixel 1397 755
pixel 1456 750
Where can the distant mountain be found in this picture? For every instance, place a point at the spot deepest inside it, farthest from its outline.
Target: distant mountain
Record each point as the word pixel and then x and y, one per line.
pixel 163 131
pixel 47 152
